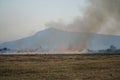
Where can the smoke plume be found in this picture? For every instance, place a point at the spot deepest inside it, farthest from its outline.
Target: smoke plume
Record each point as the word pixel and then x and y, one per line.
pixel 101 16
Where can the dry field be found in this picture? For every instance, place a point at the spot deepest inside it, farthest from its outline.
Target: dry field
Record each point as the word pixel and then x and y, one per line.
pixel 60 67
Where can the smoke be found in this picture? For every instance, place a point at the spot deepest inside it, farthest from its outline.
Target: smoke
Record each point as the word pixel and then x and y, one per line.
pixel 101 16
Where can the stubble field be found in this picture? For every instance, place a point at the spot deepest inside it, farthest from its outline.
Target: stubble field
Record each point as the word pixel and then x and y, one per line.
pixel 60 67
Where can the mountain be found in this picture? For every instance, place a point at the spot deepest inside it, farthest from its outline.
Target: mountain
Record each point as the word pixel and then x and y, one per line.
pixel 57 40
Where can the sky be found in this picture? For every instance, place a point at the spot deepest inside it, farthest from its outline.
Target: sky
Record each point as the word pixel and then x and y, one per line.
pixel 21 18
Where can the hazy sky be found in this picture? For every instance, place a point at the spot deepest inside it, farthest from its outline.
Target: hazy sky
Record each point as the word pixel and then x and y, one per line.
pixel 20 18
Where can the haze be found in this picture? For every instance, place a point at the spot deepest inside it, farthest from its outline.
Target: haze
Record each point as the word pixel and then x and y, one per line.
pixel 21 18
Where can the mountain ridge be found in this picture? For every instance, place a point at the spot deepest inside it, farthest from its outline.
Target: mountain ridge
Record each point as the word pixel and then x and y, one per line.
pixel 57 40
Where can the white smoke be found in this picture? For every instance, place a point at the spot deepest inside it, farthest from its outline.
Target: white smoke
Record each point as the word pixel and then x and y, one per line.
pixel 101 16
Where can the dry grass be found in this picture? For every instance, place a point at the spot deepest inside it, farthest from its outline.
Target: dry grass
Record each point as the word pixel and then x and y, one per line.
pixel 59 67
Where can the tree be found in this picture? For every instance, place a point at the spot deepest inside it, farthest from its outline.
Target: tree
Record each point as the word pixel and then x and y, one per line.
pixel 5 49
pixel 113 48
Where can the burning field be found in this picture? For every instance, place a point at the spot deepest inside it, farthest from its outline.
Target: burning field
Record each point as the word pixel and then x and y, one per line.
pixel 59 67
pixel 49 39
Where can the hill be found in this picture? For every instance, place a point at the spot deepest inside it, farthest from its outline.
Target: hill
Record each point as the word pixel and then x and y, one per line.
pixel 63 41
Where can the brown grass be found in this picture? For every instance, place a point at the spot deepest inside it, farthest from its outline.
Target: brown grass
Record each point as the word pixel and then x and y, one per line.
pixel 59 67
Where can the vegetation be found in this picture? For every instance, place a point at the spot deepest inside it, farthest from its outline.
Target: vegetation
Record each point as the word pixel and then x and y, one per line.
pixel 111 49
pixel 3 50
pixel 59 67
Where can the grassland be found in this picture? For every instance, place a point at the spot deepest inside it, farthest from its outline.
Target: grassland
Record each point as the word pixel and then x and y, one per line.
pixel 59 67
